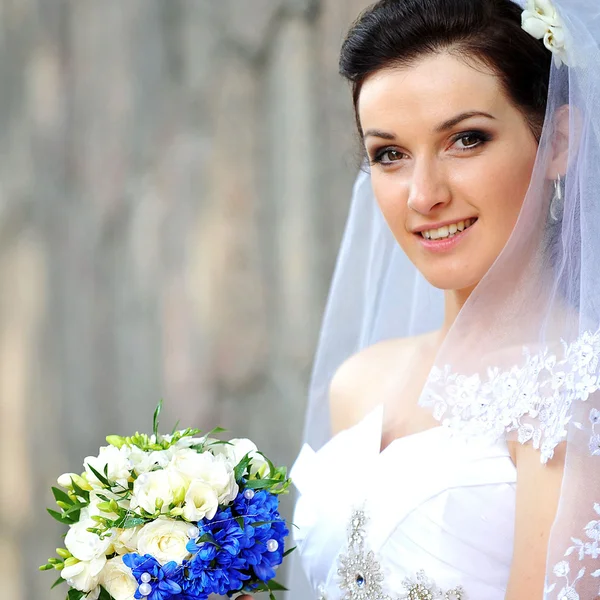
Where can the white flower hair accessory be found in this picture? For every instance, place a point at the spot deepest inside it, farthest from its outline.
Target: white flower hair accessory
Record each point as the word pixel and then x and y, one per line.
pixel 541 20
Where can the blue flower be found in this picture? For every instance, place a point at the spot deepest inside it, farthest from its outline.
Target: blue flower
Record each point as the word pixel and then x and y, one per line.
pixel 165 580
pixel 236 550
pixel 263 508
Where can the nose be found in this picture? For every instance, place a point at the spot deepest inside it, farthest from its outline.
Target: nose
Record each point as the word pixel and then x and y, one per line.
pixel 429 189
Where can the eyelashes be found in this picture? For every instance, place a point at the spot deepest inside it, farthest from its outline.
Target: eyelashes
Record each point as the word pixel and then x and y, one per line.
pixel 479 137
pixel 474 139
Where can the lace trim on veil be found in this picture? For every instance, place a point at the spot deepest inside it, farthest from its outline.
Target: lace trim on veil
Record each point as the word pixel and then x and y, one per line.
pixel 534 399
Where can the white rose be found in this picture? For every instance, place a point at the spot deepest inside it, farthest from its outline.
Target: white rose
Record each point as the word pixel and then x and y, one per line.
pixel 117 580
pixel 85 576
pixel 216 471
pixel 125 540
pixel 114 460
pixel 144 462
pixel 237 449
pixel 83 544
pixel 201 502
pixel 167 487
pixel 165 540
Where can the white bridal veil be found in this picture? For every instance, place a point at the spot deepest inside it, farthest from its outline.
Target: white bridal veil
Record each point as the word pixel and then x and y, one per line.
pixel 522 360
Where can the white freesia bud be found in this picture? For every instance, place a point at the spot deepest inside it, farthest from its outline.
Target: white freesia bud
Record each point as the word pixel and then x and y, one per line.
pixel 158 488
pixel 65 480
pixel 237 449
pixel 83 544
pixel 114 460
pixel 117 580
pixel 216 471
pixel 93 509
pixel 201 502
pixel 165 540
pixel 85 576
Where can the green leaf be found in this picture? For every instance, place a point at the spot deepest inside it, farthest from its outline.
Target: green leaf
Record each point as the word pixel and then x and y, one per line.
pixel 215 431
pixel 241 467
pixel 261 484
pixel 175 428
pixel 272 470
pixel 57 582
pixel 103 480
pixel 104 595
pixel 61 496
pixel 207 538
pixel 75 595
pixel 60 517
pixel 156 419
pixel 289 551
pixel 84 494
pixel 73 514
pixel 240 522
pixel 276 586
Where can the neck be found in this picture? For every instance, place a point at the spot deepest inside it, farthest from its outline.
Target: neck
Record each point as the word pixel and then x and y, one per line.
pixel 454 300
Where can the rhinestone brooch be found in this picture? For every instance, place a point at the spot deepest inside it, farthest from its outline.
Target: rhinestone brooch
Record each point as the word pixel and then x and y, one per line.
pixel 361 577
pixel 360 573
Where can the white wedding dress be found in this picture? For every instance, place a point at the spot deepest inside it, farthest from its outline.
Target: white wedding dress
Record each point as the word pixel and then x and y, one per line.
pixel 431 516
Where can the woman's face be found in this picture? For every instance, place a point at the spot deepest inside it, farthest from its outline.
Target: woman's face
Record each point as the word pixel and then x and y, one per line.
pixel 451 161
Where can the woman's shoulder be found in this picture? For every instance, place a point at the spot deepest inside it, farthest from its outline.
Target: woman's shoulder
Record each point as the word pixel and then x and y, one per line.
pixel 361 382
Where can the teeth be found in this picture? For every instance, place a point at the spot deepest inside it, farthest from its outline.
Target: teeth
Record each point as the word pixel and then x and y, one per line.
pixel 447 230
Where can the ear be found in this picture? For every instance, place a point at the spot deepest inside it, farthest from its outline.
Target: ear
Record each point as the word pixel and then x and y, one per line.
pixel 560 144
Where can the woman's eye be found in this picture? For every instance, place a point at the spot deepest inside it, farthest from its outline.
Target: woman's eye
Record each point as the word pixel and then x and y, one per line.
pixel 467 141
pixel 388 156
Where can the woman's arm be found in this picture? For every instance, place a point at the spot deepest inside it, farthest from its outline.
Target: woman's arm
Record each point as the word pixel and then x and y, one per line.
pixel 538 492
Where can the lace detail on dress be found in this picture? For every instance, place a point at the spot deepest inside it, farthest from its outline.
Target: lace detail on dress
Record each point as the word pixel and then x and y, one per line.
pixel 534 399
pixel 589 549
pixel 361 576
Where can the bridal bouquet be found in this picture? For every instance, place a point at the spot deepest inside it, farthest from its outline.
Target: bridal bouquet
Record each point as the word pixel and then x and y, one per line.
pixel 171 517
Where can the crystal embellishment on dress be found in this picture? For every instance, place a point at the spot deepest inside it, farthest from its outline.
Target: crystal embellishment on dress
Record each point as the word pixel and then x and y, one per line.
pixel 321 592
pixel 360 573
pixel 423 588
pixel 361 576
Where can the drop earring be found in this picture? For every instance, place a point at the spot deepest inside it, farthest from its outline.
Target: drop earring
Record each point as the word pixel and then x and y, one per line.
pixel 557 203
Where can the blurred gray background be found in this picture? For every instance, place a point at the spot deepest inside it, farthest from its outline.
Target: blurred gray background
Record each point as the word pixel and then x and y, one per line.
pixel 174 181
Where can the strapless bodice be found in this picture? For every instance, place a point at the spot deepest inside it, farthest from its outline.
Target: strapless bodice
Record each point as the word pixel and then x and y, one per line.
pixel 433 509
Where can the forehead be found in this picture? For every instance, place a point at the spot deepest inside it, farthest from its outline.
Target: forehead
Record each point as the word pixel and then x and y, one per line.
pixel 431 89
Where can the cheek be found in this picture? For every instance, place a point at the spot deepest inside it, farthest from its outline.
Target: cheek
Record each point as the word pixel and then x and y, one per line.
pixel 510 176
pixel 392 198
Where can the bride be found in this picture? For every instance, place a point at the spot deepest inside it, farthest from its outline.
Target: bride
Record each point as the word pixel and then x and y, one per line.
pixel 467 295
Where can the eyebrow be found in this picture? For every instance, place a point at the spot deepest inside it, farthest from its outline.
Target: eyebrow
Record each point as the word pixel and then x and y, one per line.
pixel 449 124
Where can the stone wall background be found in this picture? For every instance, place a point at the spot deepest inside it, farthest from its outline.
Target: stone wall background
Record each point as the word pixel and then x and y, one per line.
pixel 174 180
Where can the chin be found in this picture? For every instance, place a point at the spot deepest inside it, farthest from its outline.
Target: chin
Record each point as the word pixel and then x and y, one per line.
pixel 452 280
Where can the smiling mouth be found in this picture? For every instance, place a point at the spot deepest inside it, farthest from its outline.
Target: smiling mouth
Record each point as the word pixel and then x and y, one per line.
pixel 447 231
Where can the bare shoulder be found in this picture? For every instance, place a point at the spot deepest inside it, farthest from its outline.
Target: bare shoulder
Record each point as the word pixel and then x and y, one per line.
pixel 361 382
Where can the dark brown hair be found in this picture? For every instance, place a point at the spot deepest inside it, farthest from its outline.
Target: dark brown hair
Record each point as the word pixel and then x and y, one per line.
pixel 395 33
